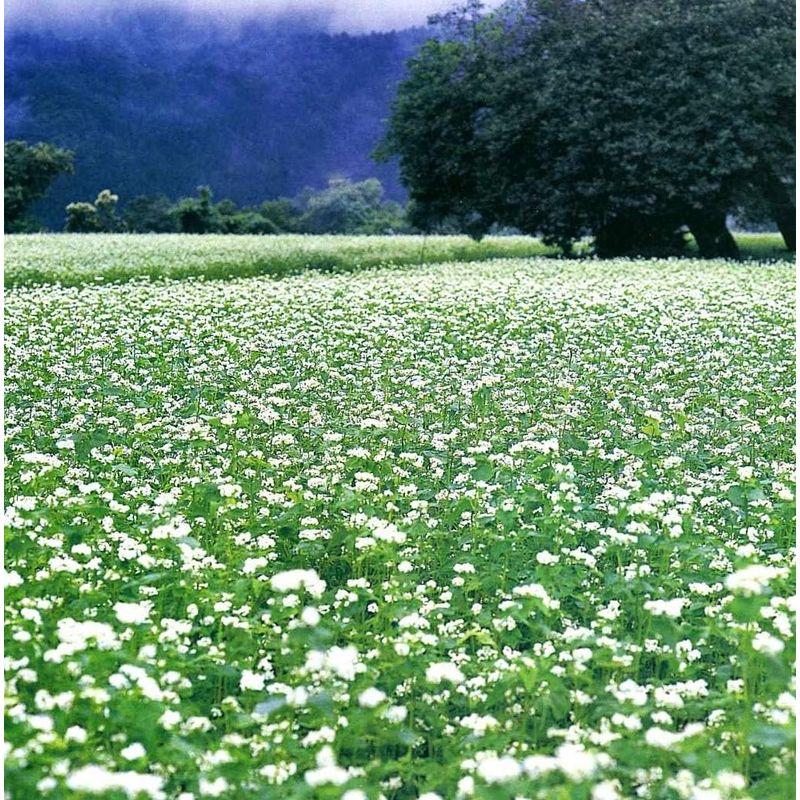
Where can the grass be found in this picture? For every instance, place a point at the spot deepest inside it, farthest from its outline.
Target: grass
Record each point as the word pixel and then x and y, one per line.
pixel 521 528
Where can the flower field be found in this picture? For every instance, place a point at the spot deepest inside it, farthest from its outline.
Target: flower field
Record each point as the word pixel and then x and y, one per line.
pixel 75 259
pixel 513 529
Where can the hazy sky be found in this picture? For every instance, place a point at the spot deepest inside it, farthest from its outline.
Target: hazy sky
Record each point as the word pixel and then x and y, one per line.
pixel 351 15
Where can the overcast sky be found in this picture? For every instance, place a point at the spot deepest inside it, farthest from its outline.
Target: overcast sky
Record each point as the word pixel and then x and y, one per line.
pixel 350 15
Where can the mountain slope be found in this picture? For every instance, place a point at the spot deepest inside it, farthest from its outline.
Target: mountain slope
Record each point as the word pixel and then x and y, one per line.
pixel 153 102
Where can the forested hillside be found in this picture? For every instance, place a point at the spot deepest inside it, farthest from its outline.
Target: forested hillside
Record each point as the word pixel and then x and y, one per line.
pixel 153 102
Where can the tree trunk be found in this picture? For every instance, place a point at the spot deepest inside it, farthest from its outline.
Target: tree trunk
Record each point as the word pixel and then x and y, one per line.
pixel 713 238
pixel 648 236
pixel 781 201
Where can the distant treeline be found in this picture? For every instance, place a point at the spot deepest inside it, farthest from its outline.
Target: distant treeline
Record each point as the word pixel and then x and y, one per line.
pixel 343 206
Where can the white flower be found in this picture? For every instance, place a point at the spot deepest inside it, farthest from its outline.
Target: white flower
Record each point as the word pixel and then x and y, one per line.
pixel 133 751
pixel 310 616
pixel 395 714
pixel 212 788
pixel 444 671
pixel 371 698
pixel 94 779
pixel 576 763
pixel 327 772
pixel 133 613
pixel 499 769
pixel 75 734
pixel 754 579
pixel 294 579
pixel 606 790
pixel 768 644
pixel 666 608
pixel 251 681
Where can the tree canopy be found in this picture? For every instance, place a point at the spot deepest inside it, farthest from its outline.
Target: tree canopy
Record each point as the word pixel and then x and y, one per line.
pixel 29 171
pixel 624 119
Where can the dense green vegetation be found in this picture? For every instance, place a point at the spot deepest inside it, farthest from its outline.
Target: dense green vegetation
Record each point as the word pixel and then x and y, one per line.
pixel 512 529
pixel 627 121
pixel 29 170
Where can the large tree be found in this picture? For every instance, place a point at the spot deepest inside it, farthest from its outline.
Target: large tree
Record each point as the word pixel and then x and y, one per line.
pixel 626 119
pixel 29 171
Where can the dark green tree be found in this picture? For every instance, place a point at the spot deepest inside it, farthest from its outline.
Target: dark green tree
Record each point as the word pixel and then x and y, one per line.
pixel 97 217
pixel 82 218
pixel 198 214
pixel 350 207
pixel 626 119
pixel 29 171
pixel 149 214
pixel 282 213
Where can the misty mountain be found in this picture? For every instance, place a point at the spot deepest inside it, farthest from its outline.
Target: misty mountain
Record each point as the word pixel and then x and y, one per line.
pixel 160 102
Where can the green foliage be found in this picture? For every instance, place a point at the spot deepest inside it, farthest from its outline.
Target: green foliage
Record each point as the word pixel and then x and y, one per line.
pixel 629 121
pixel 282 213
pixel 348 207
pixel 149 214
pixel 100 216
pixel 198 214
pixel 343 207
pixel 81 218
pixel 29 172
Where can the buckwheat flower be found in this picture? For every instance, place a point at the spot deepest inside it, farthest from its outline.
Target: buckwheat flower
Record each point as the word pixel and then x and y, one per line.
pixel 213 788
pixel 666 608
pixel 371 698
pixel 577 763
pixel 657 737
pixel 133 613
pixel 429 796
pixel 479 724
pixel 606 790
pixel 75 734
pixel 354 794
pixel 444 671
pixel 169 719
pixel 466 786
pixel 133 751
pixel 395 714
pixel 768 644
pixel 295 579
pixel 498 769
pixel 753 579
pixel 405 567
pixel 546 558
pixel 744 473
pixel 310 616
pixel 251 681
pixel 12 578
pixel 630 691
pixel 327 771
pixel 94 779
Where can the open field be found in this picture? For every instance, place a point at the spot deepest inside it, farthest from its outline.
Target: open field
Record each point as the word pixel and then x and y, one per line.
pixel 76 259
pixel 514 529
